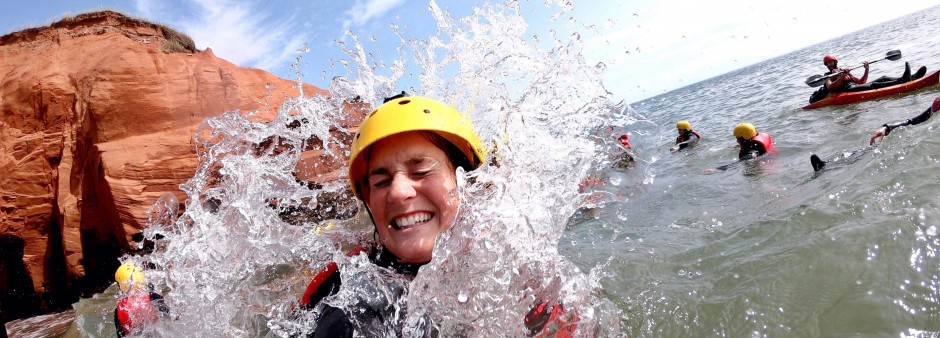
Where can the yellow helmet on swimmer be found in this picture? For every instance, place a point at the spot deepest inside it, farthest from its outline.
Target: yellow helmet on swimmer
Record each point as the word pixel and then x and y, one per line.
pixel 129 277
pixel 412 113
pixel 745 130
pixel 684 125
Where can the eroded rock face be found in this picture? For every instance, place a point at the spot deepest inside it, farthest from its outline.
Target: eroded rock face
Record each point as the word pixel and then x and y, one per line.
pixel 97 116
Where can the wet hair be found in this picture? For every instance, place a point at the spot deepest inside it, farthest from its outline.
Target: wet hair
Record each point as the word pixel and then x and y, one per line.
pixel 457 158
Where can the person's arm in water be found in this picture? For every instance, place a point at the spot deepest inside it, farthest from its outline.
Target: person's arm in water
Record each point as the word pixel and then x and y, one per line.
pixel 886 129
pixel 682 145
pixel 751 149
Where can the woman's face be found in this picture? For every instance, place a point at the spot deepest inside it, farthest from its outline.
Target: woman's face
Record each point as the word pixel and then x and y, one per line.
pixel 410 191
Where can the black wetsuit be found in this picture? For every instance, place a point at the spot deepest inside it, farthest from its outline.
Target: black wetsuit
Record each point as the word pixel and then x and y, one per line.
pixel 819 164
pixel 911 121
pixel 687 139
pixel 334 322
pixel 375 311
pixel 751 149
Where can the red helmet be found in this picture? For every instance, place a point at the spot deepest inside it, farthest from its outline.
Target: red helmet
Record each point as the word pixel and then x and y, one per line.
pixel 624 140
pixel 830 57
pixel 936 105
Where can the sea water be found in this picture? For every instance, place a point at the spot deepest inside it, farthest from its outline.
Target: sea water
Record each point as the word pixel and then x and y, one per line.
pixel 667 248
pixel 231 265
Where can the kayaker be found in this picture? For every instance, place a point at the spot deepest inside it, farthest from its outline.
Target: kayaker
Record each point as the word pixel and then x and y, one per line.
pixel 818 164
pixel 852 84
pixel 687 137
pixel 842 82
pixel 139 307
pixel 752 143
pixel 402 166
pixel 846 82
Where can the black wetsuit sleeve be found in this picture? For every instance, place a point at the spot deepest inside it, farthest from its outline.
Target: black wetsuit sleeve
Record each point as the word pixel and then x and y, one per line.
pixel 157 301
pixel 751 149
pixel 117 325
pixel 686 143
pixel 912 121
pixel 333 322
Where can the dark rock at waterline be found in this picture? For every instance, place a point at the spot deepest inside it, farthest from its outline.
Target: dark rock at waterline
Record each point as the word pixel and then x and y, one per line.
pixel 99 112
pixel 17 297
pixel 328 205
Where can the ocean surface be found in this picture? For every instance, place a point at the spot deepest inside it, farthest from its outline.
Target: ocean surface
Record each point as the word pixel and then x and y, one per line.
pixel 771 248
pixel 764 248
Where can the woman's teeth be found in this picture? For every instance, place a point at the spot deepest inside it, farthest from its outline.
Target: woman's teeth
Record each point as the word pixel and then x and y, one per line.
pixel 410 220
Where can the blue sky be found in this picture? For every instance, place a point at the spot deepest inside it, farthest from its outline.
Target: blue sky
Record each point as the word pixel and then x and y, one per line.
pixel 649 46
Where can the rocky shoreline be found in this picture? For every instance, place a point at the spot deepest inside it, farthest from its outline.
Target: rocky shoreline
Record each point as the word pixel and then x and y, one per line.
pixel 97 116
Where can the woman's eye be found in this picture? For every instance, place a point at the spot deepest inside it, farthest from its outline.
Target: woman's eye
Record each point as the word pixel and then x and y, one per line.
pixel 420 173
pixel 379 183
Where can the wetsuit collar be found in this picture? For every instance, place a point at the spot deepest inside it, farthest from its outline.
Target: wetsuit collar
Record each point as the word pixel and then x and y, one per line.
pixel 386 259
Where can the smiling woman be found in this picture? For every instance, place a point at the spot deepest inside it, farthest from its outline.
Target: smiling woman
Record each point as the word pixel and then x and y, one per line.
pixel 403 166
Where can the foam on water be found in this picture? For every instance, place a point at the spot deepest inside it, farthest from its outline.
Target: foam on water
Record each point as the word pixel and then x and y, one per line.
pixel 237 260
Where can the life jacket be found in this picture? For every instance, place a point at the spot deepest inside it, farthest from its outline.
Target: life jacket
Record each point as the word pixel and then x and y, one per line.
pixel 767 142
pixel 325 283
pixel 546 320
pixel 374 296
pixel 681 138
pixel 135 312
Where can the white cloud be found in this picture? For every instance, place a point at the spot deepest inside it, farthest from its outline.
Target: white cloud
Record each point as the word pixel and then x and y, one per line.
pixel 239 32
pixel 362 12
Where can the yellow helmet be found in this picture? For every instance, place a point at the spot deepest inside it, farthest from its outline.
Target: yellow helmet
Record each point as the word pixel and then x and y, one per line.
pixel 684 125
pixel 129 276
pixel 412 113
pixel 745 130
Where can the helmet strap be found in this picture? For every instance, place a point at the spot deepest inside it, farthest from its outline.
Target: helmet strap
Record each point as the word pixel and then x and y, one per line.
pixel 375 227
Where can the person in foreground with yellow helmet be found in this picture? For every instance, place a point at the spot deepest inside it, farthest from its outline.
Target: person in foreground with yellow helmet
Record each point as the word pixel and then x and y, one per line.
pixel 402 166
pixel 687 137
pixel 138 307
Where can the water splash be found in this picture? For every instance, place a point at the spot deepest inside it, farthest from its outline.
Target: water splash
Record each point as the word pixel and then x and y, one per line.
pixel 254 233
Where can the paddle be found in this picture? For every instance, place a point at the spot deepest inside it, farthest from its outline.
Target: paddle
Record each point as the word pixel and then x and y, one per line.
pixel 818 80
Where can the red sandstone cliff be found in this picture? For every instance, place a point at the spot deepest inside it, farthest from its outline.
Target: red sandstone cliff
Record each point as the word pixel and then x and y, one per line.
pixel 97 114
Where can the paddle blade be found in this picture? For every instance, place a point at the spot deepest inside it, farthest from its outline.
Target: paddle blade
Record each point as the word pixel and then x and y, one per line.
pixel 893 55
pixel 815 80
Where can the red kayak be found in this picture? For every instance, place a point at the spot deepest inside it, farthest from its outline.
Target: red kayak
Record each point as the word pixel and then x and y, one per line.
pixel 852 97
